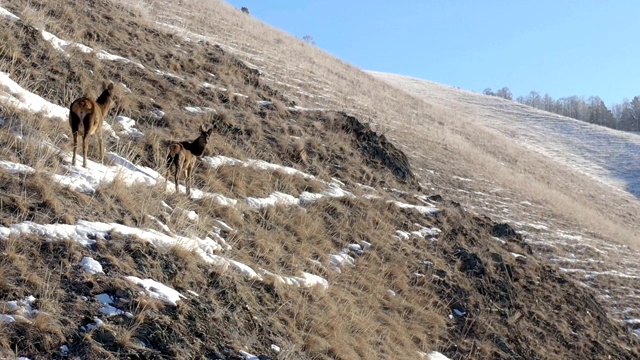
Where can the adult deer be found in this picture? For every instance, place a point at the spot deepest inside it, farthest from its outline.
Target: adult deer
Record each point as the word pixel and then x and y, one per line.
pixel 90 114
pixel 182 156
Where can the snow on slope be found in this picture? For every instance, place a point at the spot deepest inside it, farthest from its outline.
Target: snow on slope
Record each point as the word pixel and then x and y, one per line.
pixel 95 175
pixel 610 156
pixel 89 179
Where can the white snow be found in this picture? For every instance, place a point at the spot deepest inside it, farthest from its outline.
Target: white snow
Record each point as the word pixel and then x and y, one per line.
pixel 599 152
pixel 106 300
pixel 422 232
pixel 8 15
pixel 86 233
pixel 195 110
pixel 190 214
pixel 305 280
pixel 340 260
pixel 128 126
pixel 168 74
pixel 157 290
pixel 222 225
pixel 19 310
pixel 97 323
pixel 15 95
pixel 402 235
pixel 14 168
pixel 459 312
pixel 61 45
pixel 425 210
pixel 434 355
pixel 248 356
pixel 589 273
pixel 276 198
pixel 91 266
pixel 218 161
pixel 95 175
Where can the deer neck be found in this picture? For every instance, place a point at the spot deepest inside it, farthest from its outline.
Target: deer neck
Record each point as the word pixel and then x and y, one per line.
pixel 104 101
pixel 198 145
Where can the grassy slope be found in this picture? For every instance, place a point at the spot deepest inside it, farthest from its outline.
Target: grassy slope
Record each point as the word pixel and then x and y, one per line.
pixel 453 143
pixel 513 308
pixel 445 139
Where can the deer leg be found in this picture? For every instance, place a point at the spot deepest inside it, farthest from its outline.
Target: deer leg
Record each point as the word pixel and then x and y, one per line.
pixel 75 146
pixel 85 149
pixel 187 174
pixel 100 145
pixel 166 175
pixel 176 174
pixel 74 122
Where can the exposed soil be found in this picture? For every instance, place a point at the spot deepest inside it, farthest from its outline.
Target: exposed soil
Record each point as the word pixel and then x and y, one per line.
pixel 476 290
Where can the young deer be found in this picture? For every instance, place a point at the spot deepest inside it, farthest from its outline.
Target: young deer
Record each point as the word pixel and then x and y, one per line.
pixel 183 156
pixel 90 114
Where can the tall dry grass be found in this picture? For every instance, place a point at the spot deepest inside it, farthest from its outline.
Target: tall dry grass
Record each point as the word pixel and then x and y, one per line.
pixel 358 316
pixel 457 145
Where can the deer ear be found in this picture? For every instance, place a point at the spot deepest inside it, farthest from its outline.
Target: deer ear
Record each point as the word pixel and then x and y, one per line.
pixel 202 128
pixel 209 131
pixel 110 86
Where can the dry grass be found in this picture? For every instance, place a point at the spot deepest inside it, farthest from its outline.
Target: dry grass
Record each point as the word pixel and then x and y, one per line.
pixel 357 316
pixel 450 127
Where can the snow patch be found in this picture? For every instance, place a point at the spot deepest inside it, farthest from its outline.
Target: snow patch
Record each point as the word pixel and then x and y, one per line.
pixel 90 265
pixel 128 126
pixel 20 310
pixel 157 290
pixel 196 110
pixel 15 95
pixel 14 168
pixel 106 300
pixel 8 15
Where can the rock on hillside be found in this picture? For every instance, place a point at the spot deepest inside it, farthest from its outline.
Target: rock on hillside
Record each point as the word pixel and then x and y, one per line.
pixel 307 235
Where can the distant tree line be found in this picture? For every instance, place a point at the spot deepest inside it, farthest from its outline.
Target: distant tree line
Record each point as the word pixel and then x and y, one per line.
pixel 622 116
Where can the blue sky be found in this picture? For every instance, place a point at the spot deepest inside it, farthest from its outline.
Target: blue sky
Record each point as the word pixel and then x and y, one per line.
pixel 564 48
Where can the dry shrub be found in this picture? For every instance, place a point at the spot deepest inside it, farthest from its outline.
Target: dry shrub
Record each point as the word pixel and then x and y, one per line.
pixel 357 317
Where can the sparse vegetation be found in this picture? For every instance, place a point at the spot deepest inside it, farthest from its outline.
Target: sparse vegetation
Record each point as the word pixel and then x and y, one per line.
pixel 472 290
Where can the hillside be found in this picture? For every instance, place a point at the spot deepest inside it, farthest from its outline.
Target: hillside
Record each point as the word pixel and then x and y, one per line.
pixel 605 154
pixel 314 230
pixel 585 224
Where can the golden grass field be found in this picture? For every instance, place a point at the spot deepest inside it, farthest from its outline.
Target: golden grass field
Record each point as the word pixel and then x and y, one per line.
pixel 474 289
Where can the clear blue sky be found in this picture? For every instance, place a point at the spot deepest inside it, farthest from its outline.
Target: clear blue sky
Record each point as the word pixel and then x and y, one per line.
pixel 563 47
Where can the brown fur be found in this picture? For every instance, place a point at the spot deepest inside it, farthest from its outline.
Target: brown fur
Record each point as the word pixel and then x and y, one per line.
pixel 182 156
pixel 90 114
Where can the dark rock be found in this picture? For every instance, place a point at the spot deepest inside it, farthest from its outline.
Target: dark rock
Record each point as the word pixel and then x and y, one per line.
pixel 441 274
pixel 470 263
pixel 505 231
pixel 378 148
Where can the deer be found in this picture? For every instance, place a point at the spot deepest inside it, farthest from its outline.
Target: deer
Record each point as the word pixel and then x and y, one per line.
pixel 182 156
pixel 90 114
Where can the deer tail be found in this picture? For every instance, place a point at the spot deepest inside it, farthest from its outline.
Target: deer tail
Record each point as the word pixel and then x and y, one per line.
pixel 173 154
pixel 74 121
